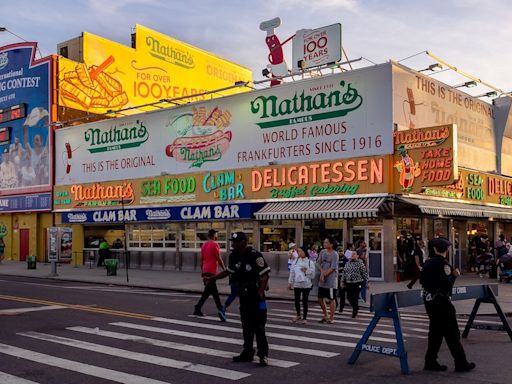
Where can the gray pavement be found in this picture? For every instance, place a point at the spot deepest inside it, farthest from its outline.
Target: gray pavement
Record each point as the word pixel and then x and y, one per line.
pixel 191 282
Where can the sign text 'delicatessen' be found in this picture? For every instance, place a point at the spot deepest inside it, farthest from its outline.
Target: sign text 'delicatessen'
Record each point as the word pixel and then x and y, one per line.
pixel 348 177
pixel 336 117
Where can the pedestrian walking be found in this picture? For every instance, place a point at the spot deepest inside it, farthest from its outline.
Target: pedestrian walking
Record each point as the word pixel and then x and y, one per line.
pixel 437 279
pixel 103 252
pixel 419 257
pixel 354 275
pixel 328 281
pixel 210 262
pixel 2 249
pixel 300 280
pixel 342 293
pixel 233 294
pixel 249 272
pixel 292 254
pixel 362 253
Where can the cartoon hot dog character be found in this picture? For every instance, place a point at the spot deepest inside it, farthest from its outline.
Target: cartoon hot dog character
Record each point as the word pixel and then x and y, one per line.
pixel 408 169
pixel 201 136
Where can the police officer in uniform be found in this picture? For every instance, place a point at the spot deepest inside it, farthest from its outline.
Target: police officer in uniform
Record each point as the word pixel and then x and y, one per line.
pixel 437 279
pixel 249 272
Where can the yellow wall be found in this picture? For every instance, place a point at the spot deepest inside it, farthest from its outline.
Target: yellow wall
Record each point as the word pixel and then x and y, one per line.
pixel 35 223
pixel 6 219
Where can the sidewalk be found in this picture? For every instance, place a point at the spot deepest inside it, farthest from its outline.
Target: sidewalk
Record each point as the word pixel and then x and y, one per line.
pixel 191 282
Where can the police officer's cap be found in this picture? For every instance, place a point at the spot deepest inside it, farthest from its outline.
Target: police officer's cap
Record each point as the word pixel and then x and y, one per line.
pixel 441 243
pixel 238 236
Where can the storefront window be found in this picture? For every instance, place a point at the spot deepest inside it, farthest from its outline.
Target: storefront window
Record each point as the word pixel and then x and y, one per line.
pixel 153 235
pixel 276 235
pixel 315 231
pixel 195 235
pixel 244 226
pixel 405 226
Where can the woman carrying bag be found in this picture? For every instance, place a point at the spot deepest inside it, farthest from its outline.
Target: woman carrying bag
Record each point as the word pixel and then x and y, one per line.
pixel 353 276
pixel 301 273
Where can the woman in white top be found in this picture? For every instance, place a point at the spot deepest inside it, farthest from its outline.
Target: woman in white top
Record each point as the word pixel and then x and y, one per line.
pixel 301 272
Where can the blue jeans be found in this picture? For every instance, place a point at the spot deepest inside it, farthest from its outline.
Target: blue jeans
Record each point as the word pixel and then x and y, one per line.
pixel 232 296
pixel 363 290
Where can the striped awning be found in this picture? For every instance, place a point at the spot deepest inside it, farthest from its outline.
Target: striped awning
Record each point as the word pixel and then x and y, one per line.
pixel 449 208
pixel 321 209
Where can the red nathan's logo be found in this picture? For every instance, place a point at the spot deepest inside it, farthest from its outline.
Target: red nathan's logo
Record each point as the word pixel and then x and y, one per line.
pixel 201 136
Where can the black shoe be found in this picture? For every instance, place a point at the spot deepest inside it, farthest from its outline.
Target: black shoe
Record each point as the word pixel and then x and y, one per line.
pixel 244 357
pixel 435 366
pixel 409 286
pixel 198 312
pixel 263 361
pixel 465 368
pixel 354 314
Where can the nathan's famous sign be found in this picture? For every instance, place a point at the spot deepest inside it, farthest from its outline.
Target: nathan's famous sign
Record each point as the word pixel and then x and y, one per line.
pixel 335 117
pixel 425 157
pixel 114 76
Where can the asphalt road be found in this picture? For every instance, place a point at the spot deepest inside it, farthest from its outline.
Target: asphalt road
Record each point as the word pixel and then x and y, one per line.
pixel 63 332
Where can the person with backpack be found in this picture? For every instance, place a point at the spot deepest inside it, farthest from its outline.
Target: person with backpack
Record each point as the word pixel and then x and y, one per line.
pixel 300 280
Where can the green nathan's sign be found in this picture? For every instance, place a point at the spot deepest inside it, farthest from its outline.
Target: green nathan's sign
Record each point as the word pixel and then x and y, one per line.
pixel 116 137
pixel 341 101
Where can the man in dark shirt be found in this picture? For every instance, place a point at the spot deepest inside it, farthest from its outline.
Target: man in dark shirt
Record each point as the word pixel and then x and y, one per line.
pixel 249 272
pixel 437 279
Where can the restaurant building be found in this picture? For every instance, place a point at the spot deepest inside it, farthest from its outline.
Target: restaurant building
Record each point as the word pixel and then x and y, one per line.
pixel 344 155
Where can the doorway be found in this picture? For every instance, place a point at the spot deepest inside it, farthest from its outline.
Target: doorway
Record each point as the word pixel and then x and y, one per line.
pixel 372 236
pixel 24 244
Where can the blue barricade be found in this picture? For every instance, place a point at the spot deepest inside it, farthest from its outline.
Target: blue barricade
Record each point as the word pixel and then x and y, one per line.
pixel 386 305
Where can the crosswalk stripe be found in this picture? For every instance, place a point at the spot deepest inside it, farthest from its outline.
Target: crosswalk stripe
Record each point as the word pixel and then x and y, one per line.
pixel 270 334
pixel 362 315
pixel 152 359
pixel 18 311
pixel 308 330
pixel 280 317
pixel 70 365
pixel 220 339
pixel 5 378
pixel 173 345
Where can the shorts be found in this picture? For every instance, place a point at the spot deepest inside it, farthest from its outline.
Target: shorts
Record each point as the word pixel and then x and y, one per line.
pixel 326 293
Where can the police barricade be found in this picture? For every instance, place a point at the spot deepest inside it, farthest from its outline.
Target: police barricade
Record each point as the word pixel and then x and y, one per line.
pixel 386 305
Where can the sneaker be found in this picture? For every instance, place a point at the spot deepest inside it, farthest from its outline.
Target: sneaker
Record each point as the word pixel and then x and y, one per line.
pixel 296 319
pixel 222 315
pixel 322 321
pixel 197 312
pixel 243 358
pixel 465 368
pixel 263 361
pixel 304 321
pixel 435 366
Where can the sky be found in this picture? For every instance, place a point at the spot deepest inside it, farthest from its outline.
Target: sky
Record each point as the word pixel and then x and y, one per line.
pixel 474 36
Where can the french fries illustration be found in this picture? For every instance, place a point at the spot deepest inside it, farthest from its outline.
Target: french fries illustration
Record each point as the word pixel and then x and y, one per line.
pixel 93 89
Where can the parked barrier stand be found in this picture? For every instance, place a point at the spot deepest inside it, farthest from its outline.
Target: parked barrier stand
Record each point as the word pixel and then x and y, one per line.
pixel 386 305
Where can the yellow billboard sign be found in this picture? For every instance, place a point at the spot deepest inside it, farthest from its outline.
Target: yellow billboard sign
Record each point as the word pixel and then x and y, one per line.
pixel 114 76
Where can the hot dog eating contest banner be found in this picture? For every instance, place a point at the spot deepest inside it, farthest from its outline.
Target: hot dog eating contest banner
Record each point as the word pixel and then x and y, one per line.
pixel 337 117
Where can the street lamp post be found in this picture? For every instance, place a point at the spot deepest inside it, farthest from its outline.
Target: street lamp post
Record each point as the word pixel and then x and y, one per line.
pixel 126 252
